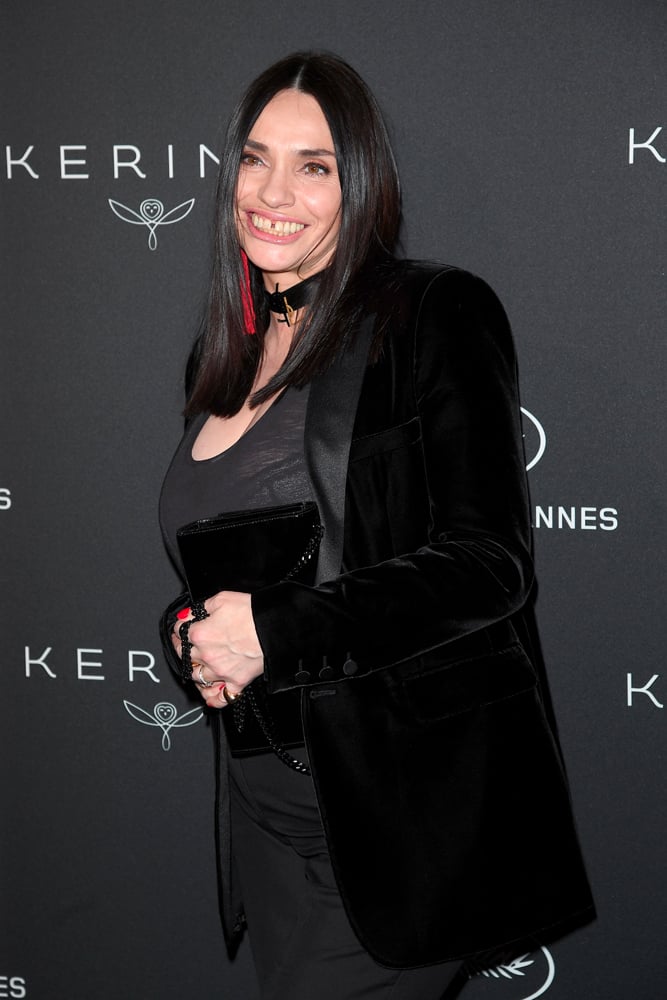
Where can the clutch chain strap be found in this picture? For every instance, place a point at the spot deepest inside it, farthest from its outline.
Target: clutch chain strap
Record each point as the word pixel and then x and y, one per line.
pixel 199 612
pixel 267 728
pixel 308 553
pixel 264 718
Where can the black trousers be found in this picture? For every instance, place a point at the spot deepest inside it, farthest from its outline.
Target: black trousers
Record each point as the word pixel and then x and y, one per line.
pixel 301 940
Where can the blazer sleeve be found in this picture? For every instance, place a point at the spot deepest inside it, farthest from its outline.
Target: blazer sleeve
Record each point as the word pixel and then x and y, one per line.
pixel 475 566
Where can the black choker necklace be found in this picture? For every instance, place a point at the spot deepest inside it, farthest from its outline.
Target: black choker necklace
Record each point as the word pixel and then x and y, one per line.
pixel 286 303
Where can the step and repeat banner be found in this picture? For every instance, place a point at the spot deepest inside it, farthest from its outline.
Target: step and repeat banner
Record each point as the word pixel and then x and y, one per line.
pixel 532 143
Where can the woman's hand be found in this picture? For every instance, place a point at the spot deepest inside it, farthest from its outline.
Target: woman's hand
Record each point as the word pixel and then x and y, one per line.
pixel 225 647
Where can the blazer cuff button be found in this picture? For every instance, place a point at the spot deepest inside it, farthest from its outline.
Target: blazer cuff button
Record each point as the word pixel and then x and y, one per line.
pixel 350 667
pixel 302 676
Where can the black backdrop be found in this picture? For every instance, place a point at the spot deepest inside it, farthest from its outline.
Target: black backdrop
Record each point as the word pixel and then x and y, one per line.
pixel 532 144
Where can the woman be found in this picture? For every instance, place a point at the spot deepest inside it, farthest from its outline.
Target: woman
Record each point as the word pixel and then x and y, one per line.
pixel 436 824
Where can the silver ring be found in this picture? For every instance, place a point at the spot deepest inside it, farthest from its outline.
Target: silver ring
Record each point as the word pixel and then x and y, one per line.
pixel 200 678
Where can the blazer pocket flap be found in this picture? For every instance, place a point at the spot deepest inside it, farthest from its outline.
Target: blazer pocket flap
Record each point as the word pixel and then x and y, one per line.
pixel 386 440
pixel 440 691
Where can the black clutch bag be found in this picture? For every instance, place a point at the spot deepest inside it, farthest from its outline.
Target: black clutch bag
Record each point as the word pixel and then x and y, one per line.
pixel 250 549
pixel 245 551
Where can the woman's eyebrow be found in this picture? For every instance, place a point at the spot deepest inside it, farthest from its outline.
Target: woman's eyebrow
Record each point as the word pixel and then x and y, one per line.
pixel 315 152
pixel 261 148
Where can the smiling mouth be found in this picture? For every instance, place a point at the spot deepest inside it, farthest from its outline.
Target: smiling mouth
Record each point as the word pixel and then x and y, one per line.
pixel 278 228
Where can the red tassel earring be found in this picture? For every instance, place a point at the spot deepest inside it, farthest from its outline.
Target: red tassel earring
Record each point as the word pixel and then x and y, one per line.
pixel 246 296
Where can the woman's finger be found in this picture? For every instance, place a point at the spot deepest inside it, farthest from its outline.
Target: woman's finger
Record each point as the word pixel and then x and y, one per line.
pixel 214 697
pixel 185 614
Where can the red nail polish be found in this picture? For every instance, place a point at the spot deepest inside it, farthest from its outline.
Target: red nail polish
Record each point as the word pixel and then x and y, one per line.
pixel 183 613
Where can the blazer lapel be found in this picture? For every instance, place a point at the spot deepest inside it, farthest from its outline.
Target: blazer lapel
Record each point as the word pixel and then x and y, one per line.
pixel 332 407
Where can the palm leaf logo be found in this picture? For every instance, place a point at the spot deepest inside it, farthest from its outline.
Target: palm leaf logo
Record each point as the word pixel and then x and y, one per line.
pixel 516 970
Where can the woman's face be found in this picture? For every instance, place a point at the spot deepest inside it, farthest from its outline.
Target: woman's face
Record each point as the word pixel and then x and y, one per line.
pixel 288 196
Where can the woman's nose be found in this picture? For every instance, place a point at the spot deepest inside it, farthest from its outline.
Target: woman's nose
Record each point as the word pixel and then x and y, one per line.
pixel 276 190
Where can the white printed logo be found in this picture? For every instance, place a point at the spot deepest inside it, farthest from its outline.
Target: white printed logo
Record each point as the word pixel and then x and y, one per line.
pixel 151 214
pixel 535 439
pixel 165 716
pixel 13 986
pixel 526 977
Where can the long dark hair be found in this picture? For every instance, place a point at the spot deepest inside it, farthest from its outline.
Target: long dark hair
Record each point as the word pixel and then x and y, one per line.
pixel 226 358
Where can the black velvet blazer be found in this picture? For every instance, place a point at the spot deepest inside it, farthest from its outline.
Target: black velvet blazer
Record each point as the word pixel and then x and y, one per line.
pixel 427 720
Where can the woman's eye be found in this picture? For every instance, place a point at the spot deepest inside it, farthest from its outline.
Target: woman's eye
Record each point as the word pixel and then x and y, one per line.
pixel 316 169
pixel 250 160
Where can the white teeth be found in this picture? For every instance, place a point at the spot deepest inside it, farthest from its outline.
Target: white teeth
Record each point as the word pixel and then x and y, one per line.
pixel 279 228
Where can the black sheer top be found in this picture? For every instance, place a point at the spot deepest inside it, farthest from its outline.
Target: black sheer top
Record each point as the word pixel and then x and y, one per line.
pixel 265 466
